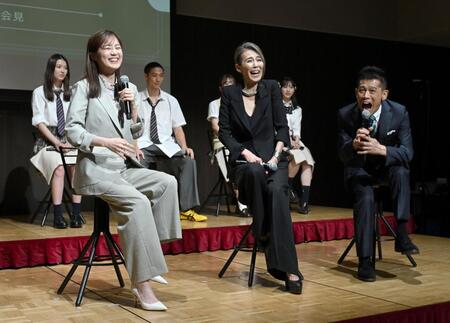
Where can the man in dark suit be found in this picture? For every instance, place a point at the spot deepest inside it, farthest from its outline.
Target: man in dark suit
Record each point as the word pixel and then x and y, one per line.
pixel 376 148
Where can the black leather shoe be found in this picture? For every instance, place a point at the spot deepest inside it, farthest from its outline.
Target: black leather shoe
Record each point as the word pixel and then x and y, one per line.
pixel 366 272
pixel 303 209
pixel 294 286
pixel 59 222
pixel 405 246
pixel 76 222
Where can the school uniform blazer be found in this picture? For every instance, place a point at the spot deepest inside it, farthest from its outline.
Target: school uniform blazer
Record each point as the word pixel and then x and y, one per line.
pixel 97 167
pixel 393 131
pixel 268 124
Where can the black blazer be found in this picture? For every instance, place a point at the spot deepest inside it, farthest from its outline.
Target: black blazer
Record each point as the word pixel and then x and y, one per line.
pixel 393 131
pixel 268 126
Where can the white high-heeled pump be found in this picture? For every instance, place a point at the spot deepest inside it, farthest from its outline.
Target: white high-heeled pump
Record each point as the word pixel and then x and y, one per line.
pixel 157 306
pixel 159 279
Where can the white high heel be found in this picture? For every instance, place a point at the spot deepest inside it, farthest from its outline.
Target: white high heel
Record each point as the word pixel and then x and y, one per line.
pixel 157 306
pixel 159 279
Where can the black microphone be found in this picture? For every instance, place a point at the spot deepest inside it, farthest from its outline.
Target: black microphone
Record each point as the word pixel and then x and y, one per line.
pixel 271 167
pixel 366 121
pixel 124 84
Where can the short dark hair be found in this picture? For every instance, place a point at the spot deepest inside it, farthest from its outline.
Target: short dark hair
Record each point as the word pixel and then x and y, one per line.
pixel 372 73
pixel 152 65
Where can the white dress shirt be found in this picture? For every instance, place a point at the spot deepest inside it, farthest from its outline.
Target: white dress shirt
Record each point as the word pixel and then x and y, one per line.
pixel 213 109
pixel 294 120
pixel 168 116
pixel 44 111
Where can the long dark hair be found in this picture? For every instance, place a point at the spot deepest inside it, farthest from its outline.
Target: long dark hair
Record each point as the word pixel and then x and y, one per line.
pixel 285 81
pixel 91 72
pixel 49 76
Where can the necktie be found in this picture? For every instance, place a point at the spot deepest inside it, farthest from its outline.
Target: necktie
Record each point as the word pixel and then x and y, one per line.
pixel 60 114
pixel 289 109
pixel 153 124
pixel 373 124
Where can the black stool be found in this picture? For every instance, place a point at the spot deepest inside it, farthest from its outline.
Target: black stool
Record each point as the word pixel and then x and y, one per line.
pixel 241 246
pixel 379 217
pixel 220 190
pixel 101 225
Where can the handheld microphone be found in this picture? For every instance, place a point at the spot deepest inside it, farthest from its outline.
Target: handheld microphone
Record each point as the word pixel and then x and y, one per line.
pixel 124 84
pixel 271 167
pixel 366 120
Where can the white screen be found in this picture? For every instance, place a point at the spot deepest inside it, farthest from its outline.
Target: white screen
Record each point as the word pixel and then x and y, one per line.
pixel 31 31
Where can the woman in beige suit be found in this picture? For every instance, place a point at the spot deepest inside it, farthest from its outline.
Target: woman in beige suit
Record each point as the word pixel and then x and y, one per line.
pixel 145 200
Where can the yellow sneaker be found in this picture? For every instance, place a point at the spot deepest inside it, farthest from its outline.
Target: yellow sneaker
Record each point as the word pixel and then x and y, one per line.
pixel 191 215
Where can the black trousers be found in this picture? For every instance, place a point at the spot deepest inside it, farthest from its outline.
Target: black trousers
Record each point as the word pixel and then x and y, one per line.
pixel 361 185
pixel 266 196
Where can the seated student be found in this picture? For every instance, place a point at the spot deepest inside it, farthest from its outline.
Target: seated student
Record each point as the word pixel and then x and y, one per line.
pixel 213 118
pixel 300 155
pixel 164 119
pixel 50 102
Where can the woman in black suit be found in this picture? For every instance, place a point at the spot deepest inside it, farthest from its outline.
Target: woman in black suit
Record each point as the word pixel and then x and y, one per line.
pixel 253 127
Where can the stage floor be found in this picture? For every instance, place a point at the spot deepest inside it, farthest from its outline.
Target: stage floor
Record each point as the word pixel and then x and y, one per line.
pixel 18 227
pixel 196 294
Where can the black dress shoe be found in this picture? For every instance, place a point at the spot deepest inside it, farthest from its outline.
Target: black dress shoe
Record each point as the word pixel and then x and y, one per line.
pixel 303 209
pixel 59 222
pixel 405 246
pixel 366 272
pixel 294 286
pixel 76 222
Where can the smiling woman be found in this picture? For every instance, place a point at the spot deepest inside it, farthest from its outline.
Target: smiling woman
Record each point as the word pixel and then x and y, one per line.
pixel 145 200
pixel 253 127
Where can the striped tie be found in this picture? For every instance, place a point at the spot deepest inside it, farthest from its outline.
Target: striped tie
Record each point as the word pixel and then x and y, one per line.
pixel 60 114
pixel 373 124
pixel 153 124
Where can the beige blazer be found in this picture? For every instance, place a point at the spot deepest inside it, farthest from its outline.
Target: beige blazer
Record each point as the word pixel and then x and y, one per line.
pixel 97 167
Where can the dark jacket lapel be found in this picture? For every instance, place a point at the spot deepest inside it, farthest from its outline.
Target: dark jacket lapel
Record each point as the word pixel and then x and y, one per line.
pixel 385 120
